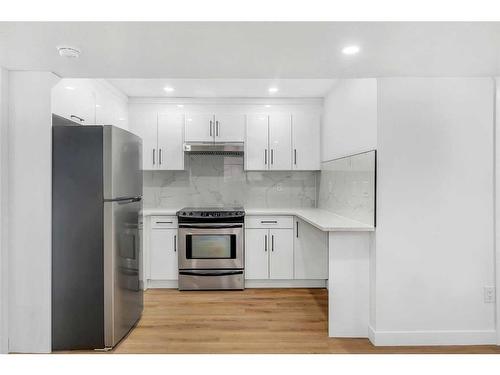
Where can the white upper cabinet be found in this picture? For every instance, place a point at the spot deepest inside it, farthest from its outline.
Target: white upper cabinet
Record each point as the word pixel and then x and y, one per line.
pixel 220 127
pixel 280 139
pixel 306 141
pixel 268 142
pixel 200 127
pixel 170 141
pixel 74 99
pixel 90 102
pixel 229 127
pixel 144 123
pixel 162 137
pixel 257 142
pixel 111 110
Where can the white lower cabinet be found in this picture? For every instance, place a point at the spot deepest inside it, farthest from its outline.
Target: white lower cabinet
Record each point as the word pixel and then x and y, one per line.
pixel 163 248
pixel 268 250
pixel 256 254
pixel 310 252
pixel 281 254
pixel 285 248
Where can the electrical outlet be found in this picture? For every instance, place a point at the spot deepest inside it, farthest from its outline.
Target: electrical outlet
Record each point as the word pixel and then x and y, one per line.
pixel 489 294
pixel 279 187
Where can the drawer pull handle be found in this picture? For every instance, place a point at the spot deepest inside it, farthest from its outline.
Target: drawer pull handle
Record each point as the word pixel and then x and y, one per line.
pixel 78 118
pixel 164 222
pixel 268 222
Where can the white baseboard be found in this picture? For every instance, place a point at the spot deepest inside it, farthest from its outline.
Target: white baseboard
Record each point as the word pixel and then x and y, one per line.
pixel 173 284
pixel 285 283
pixel 166 284
pixel 431 338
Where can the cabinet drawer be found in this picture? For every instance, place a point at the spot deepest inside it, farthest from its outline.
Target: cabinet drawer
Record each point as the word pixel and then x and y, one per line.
pixel 282 222
pixel 163 222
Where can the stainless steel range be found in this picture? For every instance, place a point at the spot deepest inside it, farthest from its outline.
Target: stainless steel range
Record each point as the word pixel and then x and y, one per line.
pixel 211 248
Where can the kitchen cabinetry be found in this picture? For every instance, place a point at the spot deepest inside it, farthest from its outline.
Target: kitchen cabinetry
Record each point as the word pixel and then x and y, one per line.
pixel 208 127
pixel 110 110
pixel 280 139
pixel 162 138
pixel 269 248
pixel 170 141
pixel 268 142
pixel 75 100
pixel 163 248
pixel 310 252
pixel 306 141
pixel 90 102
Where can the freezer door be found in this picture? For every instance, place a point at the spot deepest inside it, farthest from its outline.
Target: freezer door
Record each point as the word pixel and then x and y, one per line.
pixel 123 295
pixel 122 163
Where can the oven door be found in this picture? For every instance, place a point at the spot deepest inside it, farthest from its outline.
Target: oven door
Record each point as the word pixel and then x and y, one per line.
pixel 211 246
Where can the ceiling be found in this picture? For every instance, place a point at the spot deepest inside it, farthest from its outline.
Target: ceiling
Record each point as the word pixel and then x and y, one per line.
pixel 253 49
pixel 225 88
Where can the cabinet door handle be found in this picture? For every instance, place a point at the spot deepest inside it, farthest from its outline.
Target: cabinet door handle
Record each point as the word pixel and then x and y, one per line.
pixel 78 118
pixel 297 230
pixel 210 127
pixel 159 156
pixel 153 156
pixel 295 156
pixel 265 156
pixel 175 243
pixel 272 156
pixel 217 128
pixel 272 242
pixel 265 242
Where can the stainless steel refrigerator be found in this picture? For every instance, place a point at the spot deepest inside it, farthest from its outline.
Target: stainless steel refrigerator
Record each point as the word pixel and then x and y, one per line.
pixel 96 249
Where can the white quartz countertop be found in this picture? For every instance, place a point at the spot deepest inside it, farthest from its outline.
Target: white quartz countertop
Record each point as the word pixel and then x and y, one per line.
pixel 322 219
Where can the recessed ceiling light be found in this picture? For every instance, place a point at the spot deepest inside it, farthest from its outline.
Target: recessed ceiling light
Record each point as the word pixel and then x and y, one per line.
pixel 272 90
pixel 98 106
pixel 267 106
pixel 180 105
pixel 69 88
pixel 350 50
pixel 168 89
pixel 69 52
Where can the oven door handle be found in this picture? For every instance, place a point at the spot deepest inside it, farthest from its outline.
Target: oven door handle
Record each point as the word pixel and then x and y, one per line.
pixel 210 226
pixel 210 273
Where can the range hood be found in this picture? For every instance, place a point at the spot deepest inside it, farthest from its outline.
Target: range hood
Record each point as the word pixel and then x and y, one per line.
pixel 211 148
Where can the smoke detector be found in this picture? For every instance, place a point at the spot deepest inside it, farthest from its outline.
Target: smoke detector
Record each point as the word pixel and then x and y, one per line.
pixel 69 52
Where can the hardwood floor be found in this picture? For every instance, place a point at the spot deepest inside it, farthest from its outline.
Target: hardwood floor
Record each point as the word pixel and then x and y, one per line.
pixel 250 321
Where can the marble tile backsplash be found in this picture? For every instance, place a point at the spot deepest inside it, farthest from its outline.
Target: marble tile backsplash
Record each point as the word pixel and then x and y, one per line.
pixel 347 187
pixel 212 180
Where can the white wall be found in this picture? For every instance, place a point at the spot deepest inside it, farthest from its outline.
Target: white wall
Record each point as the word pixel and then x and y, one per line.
pixel 349 123
pixel 3 210
pixel 30 166
pixel 434 242
pixel 497 201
